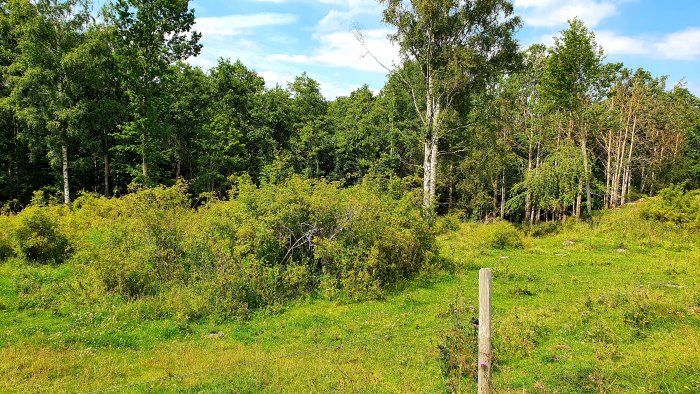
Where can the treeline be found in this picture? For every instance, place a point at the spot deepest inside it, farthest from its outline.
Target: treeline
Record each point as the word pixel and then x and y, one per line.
pixel 101 103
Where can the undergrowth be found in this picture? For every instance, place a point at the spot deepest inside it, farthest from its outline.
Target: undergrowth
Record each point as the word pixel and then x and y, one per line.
pixel 265 246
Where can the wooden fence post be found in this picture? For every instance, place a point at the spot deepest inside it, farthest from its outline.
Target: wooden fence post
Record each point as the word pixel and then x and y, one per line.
pixel 485 331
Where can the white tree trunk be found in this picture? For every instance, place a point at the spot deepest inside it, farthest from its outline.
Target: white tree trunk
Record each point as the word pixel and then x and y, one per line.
pixel 427 167
pixel 66 185
pixel 433 168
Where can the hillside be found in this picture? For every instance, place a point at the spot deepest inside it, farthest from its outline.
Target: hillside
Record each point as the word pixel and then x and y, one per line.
pixel 610 306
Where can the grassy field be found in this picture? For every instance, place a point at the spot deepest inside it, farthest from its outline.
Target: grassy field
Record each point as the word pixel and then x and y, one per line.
pixel 609 306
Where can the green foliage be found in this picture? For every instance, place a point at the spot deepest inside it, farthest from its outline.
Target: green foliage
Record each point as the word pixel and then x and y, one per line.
pixel 500 235
pixel 543 229
pixel 149 38
pixel 675 205
pixel 449 222
pixel 600 315
pixel 38 236
pixel 268 245
pixel 6 249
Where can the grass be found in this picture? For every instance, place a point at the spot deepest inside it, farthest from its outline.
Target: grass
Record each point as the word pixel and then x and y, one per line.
pixel 609 307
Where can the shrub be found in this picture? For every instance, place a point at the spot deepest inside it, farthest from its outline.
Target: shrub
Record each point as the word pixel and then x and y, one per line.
pixel 40 287
pixel 267 245
pixel 449 222
pixel 544 229
pixel 6 228
pixel 38 237
pixel 501 235
pixel 674 205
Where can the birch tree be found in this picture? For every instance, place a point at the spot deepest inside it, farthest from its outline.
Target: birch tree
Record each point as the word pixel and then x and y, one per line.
pixel 572 82
pixel 457 46
pixel 47 31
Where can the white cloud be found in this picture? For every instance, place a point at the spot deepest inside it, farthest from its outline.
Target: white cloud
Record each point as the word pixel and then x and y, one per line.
pixel 274 78
pixel 342 19
pixel 232 25
pixel 615 44
pixel 684 45
pixel 332 90
pixel 554 13
pixel 342 49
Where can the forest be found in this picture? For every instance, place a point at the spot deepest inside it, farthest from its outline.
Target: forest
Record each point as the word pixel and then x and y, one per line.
pixel 172 228
pixel 101 103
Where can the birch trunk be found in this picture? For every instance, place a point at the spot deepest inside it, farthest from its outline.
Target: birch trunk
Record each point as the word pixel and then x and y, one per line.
pixel 426 174
pixel 503 194
pixel 66 185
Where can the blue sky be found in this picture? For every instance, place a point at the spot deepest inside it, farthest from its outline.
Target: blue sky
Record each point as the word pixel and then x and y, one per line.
pixel 283 38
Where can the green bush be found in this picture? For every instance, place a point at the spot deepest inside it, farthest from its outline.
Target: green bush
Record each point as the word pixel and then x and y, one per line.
pixel 39 287
pixel 674 205
pixel 6 228
pixel 500 235
pixel 544 229
pixel 449 222
pixel 38 237
pixel 265 246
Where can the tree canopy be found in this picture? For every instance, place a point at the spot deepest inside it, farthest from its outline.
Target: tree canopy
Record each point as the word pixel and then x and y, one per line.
pixel 467 119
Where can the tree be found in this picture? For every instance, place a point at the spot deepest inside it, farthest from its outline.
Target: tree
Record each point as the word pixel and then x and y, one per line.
pixel 99 94
pixel 311 144
pixel 457 46
pixel 572 82
pixel 189 94
pixel 46 33
pixel 151 35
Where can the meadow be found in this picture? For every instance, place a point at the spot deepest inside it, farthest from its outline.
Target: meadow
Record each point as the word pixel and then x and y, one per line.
pixel 607 305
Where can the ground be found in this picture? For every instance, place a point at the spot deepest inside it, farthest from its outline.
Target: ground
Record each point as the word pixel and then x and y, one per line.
pixel 608 306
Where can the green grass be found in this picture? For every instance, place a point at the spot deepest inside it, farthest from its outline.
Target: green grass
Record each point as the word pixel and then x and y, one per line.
pixel 613 307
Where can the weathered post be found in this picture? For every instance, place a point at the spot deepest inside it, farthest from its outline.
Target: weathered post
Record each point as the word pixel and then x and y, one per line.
pixel 485 331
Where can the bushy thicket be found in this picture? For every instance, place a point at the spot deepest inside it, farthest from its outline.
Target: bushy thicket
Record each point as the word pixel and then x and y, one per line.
pixel 674 205
pixel 265 245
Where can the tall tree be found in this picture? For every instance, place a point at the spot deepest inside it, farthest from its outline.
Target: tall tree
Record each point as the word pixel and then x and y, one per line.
pixel 311 142
pixel 151 35
pixel 188 99
pixel 47 31
pixel 572 82
pixel 457 46
pixel 98 91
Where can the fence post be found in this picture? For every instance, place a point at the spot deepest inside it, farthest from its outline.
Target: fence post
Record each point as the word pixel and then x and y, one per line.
pixel 485 331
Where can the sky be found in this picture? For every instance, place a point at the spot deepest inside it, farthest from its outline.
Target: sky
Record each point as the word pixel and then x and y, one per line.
pixel 280 39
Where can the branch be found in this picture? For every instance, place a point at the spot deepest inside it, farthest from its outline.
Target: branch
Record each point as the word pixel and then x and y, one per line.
pixel 453 152
pixel 361 39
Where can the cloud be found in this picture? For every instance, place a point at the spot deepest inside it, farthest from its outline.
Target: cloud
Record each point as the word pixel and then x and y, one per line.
pixel 343 50
pixel 615 44
pixel 342 19
pixel 683 45
pixel 554 13
pixel 233 25
pixel 274 78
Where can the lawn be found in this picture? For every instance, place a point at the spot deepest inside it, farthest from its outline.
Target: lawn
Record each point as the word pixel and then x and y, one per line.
pixel 607 306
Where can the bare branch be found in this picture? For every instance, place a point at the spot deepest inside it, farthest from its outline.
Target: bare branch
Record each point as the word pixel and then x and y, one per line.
pixel 391 70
